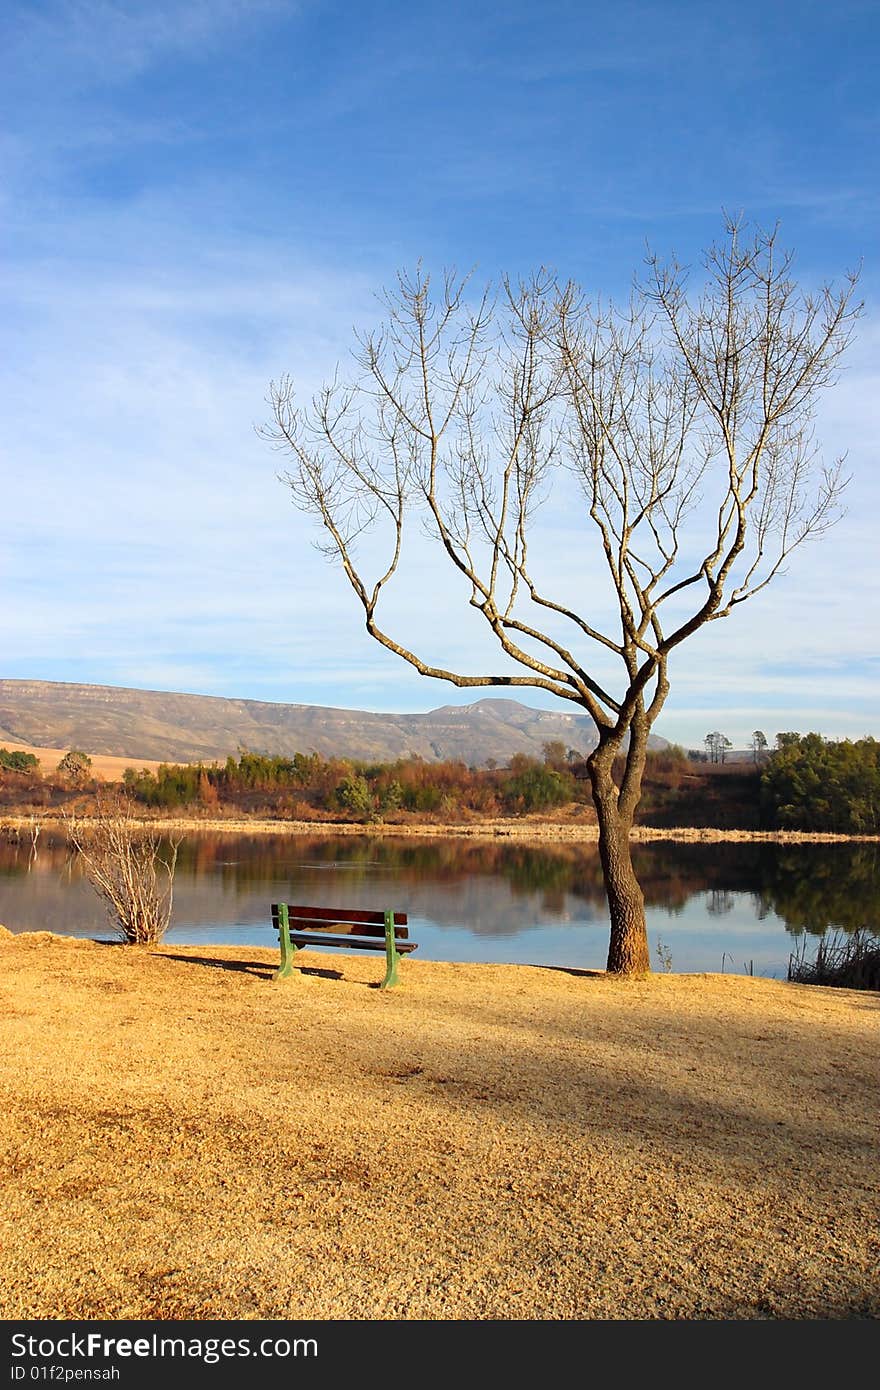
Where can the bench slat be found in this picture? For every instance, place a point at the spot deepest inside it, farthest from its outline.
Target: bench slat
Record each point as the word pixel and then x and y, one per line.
pixel 347 928
pixel 340 914
pixel 304 938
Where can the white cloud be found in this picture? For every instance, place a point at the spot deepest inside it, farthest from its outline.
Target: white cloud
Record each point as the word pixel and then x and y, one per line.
pixel 151 542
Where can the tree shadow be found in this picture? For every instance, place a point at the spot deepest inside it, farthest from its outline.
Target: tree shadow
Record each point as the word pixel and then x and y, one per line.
pixel 574 970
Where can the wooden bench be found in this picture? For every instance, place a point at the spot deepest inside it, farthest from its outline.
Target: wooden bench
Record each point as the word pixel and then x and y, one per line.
pixel 353 930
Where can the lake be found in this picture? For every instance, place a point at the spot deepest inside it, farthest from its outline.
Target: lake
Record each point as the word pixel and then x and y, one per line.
pixel 734 907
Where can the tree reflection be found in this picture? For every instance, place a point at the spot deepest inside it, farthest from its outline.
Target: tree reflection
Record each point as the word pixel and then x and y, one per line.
pixel 813 892
pixel 233 877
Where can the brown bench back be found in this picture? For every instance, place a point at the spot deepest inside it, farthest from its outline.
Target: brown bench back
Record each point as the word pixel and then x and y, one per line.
pixel 341 921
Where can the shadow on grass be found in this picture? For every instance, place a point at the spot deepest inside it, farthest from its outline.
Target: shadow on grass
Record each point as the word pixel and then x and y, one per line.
pixel 263 970
pixel 574 970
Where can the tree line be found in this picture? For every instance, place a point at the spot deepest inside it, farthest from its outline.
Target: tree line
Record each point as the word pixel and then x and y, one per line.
pixel 806 782
pixel 368 791
pixel 812 783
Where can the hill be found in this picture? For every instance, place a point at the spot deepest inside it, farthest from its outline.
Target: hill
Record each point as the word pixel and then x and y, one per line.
pixel 157 725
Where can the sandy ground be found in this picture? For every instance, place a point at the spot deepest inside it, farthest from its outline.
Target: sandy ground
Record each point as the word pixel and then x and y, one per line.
pixel 183 1137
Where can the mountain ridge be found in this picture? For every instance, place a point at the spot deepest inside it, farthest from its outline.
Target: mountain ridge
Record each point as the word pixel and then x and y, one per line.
pixel 174 726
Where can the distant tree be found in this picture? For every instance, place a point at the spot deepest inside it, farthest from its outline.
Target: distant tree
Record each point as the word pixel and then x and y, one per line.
pixel 75 766
pixel 13 760
pixel 208 794
pixel 685 417
pixel 717 745
pixel 139 784
pixel 391 796
pixel 759 745
pixel 535 786
pixel 554 754
pixel 787 740
pixel 355 794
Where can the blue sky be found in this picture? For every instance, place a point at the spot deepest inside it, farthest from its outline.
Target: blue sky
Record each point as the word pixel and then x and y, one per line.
pixel 198 196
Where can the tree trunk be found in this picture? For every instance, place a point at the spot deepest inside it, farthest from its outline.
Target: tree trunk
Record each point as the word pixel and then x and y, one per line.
pixel 628 944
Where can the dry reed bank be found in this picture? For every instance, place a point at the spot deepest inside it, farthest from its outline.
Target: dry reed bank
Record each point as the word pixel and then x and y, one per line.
pixel 532 829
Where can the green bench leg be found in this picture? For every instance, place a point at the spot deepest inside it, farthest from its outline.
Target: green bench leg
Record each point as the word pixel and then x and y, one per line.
pixel 391 956
pixel 288 950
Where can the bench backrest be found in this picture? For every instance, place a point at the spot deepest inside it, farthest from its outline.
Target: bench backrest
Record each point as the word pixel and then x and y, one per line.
pixel 341 921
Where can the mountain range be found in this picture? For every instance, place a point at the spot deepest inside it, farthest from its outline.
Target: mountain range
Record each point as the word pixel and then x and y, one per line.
pixel 153 724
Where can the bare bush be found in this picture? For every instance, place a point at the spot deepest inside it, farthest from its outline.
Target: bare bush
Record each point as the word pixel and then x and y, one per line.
pixel 124 863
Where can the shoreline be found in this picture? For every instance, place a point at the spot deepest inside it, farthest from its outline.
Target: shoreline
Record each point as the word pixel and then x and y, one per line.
pixel 525 830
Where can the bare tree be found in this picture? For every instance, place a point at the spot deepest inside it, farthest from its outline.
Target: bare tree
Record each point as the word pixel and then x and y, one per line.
pixel 685 418
pixel 124 863
pixel 759 745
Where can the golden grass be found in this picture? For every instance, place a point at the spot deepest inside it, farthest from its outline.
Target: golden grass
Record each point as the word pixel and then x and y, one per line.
pixel 182 1137
pixel 106 768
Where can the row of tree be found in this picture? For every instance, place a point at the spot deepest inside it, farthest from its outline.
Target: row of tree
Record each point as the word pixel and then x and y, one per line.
pixel 812 783
pixel 718 746
pixel 806 782
pixel 367 791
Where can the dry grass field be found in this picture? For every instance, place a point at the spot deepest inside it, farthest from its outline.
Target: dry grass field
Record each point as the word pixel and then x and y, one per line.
pixel 105 768
pixel 183 1138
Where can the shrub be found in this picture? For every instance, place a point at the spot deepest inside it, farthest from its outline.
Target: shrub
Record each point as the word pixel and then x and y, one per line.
pixel 354 794
pixel 13 760
pixel 535 787
pixel 75 766
pixel 124 864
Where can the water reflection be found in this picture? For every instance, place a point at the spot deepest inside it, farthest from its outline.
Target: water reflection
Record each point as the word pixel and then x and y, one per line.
pixel 711 906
